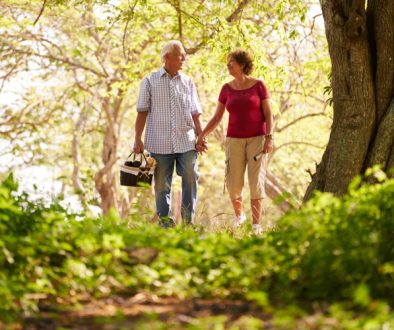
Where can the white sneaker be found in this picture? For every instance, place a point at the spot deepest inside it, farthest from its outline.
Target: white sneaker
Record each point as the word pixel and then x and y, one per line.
pixel 257 230
pixel 237 221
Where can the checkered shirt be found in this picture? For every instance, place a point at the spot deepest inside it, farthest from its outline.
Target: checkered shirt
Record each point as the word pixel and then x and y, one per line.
pixel 171 103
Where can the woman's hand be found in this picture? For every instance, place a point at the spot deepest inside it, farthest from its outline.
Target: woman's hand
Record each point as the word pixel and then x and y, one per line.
pixel 268 145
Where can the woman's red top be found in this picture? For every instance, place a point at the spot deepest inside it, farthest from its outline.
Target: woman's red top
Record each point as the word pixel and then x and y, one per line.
pixel 246 118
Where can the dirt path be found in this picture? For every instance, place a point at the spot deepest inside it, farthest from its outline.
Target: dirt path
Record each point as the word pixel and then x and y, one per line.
pixel 144 312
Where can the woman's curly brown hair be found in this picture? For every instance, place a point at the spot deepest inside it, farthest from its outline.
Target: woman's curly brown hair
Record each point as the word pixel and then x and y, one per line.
pixel 243 58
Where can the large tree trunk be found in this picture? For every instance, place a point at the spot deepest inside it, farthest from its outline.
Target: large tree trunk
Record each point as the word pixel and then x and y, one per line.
pixel 361 48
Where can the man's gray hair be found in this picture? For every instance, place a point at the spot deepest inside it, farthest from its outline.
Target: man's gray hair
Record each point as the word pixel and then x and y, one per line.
pixel 169 47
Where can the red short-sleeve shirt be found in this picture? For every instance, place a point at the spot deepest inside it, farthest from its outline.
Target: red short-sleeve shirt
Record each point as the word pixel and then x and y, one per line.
pixel 246 118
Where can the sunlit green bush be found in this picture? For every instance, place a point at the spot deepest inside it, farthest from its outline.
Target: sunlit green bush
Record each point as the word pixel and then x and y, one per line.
pixel 330 251
pixel 340 249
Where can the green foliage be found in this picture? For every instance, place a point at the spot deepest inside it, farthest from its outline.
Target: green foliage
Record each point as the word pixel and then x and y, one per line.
pixel 79 84
pixel 347 239
pixel 330 251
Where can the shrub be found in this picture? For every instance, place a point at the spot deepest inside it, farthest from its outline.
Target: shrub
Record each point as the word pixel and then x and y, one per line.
pixel 330 250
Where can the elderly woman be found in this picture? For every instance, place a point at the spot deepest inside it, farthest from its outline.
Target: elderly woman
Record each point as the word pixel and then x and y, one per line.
pixel 249 135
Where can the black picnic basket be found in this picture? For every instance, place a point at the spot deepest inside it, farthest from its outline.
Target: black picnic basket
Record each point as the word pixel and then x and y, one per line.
pixel 137 172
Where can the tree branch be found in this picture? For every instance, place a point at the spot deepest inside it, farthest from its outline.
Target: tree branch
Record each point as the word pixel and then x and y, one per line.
pixel 298 142
pixel 62 60
pixel 129 17
pixel 275 189
pixel 7 75
pixel 230 19
pixel 280 129
pixel 41 12
pixel 299 93
pixel 235 15
pixel 179 20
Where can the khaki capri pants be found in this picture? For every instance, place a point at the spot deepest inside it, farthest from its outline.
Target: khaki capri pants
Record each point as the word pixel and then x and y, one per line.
pixel 239 156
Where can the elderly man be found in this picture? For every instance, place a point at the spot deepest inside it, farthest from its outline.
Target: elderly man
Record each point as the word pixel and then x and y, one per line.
pixel 168 104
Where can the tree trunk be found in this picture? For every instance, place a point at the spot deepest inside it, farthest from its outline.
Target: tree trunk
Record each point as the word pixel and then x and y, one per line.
pixel 361 50
pixel 106 178
pixel 78 188
pixel 381 28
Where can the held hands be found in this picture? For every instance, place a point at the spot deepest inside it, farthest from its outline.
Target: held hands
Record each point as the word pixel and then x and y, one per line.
pixel 201 145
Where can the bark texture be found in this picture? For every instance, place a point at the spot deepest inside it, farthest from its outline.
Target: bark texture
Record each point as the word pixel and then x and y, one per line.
pixel 106 178
pixel 361 44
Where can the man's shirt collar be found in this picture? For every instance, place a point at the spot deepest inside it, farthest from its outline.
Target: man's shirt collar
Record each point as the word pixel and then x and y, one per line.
pixel 163 71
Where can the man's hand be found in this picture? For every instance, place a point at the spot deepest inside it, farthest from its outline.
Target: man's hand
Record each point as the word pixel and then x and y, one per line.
pixel 138 146
pixel 201 145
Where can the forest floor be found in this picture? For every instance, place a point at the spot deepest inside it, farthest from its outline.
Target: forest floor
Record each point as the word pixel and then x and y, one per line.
pixel 145 312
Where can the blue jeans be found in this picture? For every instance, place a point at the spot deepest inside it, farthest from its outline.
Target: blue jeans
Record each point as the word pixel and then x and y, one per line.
pixel 186 167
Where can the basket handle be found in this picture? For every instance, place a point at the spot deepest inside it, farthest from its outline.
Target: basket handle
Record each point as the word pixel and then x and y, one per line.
pixel 142 153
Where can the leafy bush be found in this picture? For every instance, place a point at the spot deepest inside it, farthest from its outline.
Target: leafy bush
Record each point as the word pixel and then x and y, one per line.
pixel 340 248
pixel 330 251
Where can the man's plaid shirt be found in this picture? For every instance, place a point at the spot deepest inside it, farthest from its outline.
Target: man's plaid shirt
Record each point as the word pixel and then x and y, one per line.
pixel 171 103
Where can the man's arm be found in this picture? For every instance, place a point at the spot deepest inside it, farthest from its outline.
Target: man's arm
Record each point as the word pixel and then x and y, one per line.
pixel 200 147
pixel 143 107
pixel 197 123
pixel 139 128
